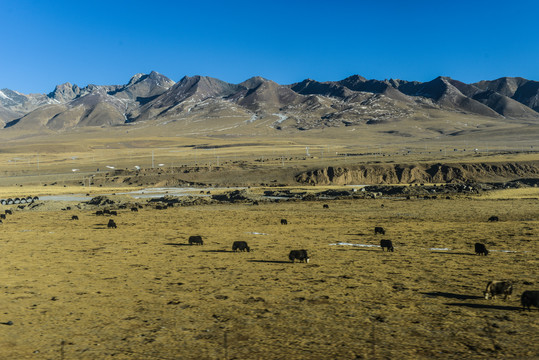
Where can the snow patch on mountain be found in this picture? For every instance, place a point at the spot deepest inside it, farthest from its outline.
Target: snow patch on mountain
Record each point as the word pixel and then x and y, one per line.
pixel 281 118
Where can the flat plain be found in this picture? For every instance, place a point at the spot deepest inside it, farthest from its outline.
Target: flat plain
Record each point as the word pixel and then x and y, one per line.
pixel 78 290
pixel 74 289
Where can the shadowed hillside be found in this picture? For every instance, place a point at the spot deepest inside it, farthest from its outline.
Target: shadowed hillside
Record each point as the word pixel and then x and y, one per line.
pixel 305 105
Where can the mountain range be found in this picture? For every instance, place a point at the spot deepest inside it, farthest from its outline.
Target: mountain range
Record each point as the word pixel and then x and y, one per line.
pixel 309 104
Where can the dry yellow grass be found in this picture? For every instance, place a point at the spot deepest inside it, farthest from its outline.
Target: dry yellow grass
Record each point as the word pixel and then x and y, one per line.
pixel 77 290
pixel 18 191
pixel 75 156
pixel 524 193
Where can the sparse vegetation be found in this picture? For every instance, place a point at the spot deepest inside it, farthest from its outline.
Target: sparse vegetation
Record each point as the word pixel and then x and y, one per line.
pixel 75 289
pixel 139 292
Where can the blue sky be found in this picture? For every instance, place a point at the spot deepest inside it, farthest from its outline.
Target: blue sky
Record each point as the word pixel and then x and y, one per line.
pixel 106 42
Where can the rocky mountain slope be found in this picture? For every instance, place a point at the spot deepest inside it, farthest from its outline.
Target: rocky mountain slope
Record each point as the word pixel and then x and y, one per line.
pixel 70 106
pixel 305 105
pixel 524 91
pixel 13 104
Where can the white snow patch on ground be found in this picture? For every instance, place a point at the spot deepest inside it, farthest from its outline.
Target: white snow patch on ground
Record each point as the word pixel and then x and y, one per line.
pixel 358 245
pixel 256 233
pixel 431 249
pixel 74 197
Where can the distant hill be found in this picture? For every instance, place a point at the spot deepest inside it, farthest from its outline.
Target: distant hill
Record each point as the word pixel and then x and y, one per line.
pixel 308 104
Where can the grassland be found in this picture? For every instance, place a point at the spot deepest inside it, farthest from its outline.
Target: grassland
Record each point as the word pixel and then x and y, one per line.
pixel 77 290
pixel 76 156
pixel 74 289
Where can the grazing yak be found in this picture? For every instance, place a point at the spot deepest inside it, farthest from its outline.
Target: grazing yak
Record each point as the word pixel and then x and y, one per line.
pixel 134 209
pixel 529 298
pixel 325 206
pixel 493 218
pixel 284 222
pixel 386 244
pixel 8 212
pixel 240 246
pixel 3 216
pixel 300 255
pixel 195 240
pixel 480 249
pixel 379 230
pixel 111 224
pixel 99 213
pixel 74 217
pixel 495 288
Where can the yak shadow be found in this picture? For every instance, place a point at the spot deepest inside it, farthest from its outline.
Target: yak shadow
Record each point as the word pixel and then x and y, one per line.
pixel 357 248
pixel 358 234
pixel 218 251
pixel 452 296
pixel 271 261
pixel 179 244
pixel 100 227
pixel 484 306
pixel 452 253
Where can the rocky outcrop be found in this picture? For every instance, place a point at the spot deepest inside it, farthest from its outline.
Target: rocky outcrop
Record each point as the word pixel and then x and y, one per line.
pixel 419 173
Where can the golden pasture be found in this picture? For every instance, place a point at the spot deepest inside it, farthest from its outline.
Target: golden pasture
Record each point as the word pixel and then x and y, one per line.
pixel 74 289
pixel 77 290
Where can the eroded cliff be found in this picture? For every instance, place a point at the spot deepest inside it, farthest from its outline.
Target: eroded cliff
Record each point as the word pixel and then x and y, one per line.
pixel 420 173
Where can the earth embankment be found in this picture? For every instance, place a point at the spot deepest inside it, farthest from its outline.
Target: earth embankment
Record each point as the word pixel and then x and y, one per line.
pixel 420 173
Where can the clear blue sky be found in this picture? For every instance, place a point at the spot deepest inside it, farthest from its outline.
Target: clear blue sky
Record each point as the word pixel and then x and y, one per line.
pixel 44 43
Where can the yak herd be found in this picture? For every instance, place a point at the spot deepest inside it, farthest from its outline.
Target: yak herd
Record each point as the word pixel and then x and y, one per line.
pixel 493 289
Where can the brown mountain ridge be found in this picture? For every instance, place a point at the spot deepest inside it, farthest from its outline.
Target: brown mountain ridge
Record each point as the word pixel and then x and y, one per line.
pixel 305 105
